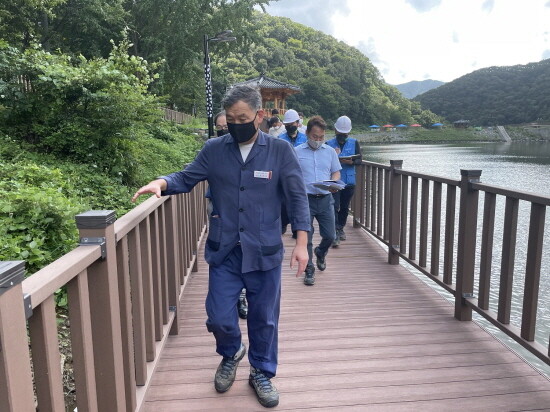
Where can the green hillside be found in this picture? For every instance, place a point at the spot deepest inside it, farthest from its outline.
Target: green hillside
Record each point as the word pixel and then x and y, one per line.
pixel 335 78
pixel 495 95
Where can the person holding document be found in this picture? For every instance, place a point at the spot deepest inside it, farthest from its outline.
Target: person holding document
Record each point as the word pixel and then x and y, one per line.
pixel 349 153
pixel 319 163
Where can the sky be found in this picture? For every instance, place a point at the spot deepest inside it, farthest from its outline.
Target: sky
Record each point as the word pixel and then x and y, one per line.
pixel 430 39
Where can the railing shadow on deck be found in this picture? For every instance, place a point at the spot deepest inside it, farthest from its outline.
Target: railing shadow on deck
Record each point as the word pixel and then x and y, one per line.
pixel 386 204
pixel 124 284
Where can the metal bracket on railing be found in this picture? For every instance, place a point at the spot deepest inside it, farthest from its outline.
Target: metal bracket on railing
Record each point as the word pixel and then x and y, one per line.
pixel 467 295
pixel 172 308
pixel 28 305
pixel 92 241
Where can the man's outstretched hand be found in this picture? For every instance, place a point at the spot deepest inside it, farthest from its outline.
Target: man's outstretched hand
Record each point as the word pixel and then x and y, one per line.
pixel 154 187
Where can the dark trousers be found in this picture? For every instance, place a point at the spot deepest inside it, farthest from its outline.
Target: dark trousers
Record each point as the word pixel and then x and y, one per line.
pixel 263 293
pixel 321 208
pixel 342 200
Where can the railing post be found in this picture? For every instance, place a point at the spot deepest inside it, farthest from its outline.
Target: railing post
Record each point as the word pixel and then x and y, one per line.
pixel 394 217
pixel 467 227
pixel 16 390
pixel 105 310
pixel 359 199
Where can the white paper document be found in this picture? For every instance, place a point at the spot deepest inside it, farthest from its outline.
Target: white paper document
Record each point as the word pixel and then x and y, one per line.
pixel 330 184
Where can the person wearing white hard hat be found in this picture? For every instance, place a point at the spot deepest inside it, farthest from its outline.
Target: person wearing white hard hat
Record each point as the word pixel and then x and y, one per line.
pixel 291 120
pixel 349 153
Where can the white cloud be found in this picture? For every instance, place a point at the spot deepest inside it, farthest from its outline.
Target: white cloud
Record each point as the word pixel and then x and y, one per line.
pixel 442 39
pixel 424 5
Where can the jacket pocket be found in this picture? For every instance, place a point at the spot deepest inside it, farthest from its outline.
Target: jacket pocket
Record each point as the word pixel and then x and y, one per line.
pixel 214 233
pixel 270 237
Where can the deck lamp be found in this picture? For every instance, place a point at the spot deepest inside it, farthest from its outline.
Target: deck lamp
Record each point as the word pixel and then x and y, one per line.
pixel 220 37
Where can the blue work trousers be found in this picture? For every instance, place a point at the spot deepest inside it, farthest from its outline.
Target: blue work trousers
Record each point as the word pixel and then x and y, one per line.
pixel 322 209
pixel 263 293
pixel 342 199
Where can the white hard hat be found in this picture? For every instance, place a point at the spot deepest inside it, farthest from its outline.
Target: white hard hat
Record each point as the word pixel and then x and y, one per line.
pixel 343 124
pixel 291 116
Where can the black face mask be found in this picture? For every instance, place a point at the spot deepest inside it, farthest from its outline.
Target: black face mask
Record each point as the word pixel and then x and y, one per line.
pixel 291 129
pixel 222 132
pixel 242 132
pixel 341 137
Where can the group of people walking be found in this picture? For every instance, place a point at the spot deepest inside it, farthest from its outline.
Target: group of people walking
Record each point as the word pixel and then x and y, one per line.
pixel 252 179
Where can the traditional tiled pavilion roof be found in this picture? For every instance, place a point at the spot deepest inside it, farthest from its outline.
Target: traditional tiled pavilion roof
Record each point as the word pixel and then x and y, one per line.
pixel 264 82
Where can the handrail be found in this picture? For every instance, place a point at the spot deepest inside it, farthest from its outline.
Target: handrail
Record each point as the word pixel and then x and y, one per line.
pixel 387 204
pixel 124 283
pixel 131 219
pixel 47 280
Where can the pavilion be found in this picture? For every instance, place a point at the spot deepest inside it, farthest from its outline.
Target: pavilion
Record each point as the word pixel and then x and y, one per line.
pixel 274 92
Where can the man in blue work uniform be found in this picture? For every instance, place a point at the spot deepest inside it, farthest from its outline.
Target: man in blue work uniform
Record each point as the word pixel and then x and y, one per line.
pixel 249 173
pixel 291 121
pixel 319 162
pixel 349 153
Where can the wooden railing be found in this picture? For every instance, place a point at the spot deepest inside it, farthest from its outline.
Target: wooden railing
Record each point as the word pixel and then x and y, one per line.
pixel 387 203
pixel 124 283
pixel 177 117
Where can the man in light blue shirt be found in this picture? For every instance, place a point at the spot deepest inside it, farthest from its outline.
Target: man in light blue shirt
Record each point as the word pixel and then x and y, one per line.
pixel 318 162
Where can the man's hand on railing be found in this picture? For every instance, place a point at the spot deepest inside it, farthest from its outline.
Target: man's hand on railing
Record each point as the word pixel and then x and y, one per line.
pixel 155 187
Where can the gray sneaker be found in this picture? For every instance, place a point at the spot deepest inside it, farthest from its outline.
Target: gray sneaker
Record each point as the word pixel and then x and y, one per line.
pixel 265 391
pixel 309 278
pixel 225 374
pixel 342 234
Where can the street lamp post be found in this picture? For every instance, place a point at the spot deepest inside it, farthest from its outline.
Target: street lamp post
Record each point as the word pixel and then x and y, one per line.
pixel 222 36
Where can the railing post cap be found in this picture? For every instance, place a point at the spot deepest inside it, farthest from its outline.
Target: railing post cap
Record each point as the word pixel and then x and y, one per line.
pixel 470 172
pixel 95 219
pixel 396 163
pixel 11 273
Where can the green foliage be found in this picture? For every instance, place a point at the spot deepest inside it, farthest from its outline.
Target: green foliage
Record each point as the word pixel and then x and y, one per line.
pixel 36 217
pixel 40 195
pixel 495 95
pixel 89 111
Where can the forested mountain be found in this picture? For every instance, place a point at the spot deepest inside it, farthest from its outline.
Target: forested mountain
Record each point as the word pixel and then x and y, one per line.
pixel 495 95
pixel 416 87
pixel 335 78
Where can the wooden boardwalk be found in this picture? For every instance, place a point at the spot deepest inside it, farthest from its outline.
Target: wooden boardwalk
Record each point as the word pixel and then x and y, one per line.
pixel 367 337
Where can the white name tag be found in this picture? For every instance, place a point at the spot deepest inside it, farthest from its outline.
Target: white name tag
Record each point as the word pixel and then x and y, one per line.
pixel 262 175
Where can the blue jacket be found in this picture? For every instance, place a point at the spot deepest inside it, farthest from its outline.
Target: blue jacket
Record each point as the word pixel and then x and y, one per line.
pixel 300 138
pixel 247 203
pixel 348 171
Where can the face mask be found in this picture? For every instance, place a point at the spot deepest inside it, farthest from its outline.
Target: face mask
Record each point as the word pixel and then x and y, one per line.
pixel 242 132
pixel 222 132
pixel 341 137
pixel 315 144
pixel 291 129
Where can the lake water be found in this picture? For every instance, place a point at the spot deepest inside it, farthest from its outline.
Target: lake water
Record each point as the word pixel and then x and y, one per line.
pixel 518 166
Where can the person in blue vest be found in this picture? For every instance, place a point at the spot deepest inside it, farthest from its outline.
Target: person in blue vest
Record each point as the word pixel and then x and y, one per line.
pixel 250 174
pixel 349 153
pixel 318 162
pixel 291 121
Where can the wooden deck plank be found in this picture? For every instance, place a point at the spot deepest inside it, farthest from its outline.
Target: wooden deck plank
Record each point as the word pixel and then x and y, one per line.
pixel 367 336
